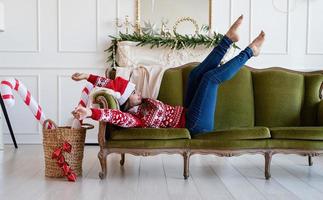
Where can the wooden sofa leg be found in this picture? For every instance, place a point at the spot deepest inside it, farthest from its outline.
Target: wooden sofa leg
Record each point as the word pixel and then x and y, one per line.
pixel 102 155
pixel 268 156
pixel 186 156
pixel 310 161
pixel 122 159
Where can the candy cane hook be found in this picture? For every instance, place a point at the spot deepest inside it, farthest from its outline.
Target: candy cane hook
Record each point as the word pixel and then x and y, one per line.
pixel 10 84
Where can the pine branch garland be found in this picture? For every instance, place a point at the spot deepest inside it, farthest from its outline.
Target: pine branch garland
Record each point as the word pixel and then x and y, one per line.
pixel 155 41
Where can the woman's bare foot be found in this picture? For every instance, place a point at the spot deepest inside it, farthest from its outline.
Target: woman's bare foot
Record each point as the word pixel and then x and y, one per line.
pixel 232 32
pixel 257 43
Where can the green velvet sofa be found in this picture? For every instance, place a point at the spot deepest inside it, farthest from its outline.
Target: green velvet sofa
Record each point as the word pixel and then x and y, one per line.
pixel 258 111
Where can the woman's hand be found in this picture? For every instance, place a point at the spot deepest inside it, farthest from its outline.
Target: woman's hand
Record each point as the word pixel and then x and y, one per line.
pixel 80 76
pixel 81 113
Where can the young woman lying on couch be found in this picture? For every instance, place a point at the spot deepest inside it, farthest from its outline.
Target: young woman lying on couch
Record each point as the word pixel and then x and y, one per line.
pixel 197 114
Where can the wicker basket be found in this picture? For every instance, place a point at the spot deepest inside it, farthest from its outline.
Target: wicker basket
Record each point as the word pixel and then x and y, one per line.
pixel 53 138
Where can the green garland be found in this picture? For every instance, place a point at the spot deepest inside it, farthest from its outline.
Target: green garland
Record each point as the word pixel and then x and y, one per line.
pixel 174 42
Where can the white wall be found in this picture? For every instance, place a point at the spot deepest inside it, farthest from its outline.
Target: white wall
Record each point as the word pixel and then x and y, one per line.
pixel 45 41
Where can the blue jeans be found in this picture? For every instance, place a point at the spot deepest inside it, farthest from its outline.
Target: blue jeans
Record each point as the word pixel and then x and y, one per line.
pixel 203 83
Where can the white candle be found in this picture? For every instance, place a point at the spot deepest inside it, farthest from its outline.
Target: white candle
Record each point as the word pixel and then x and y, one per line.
pixel 2 27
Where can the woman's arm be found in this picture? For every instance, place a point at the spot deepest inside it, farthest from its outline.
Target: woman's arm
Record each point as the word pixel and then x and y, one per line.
pixel 116 117
pixel 155 113
pixel 112 116
pixel 94 79
pixel 100 81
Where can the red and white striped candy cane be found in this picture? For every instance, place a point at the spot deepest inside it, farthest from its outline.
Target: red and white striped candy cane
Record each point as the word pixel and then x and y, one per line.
pixel 85 94
pixel 14 84
pixel 76 124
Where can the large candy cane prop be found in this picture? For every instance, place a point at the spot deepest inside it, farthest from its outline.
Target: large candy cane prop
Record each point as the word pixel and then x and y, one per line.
pixel 76 124
pixel 14 84
pixel 85 94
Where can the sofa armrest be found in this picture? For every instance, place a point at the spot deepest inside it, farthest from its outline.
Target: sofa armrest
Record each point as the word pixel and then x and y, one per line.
pixel 320 113
pixel 105 100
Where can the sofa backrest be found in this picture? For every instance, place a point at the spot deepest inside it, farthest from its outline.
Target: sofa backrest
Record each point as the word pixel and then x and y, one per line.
pixel 278 96
pixel 313 95
pixel 269 97
pixel 173 86
pixel 235 102
pixel 286 98
pixel 235 106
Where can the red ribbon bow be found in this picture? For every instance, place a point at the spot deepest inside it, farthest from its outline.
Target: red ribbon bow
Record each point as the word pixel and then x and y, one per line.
pixel 71 177
pixel 66 169
pixel 67 147
pixel 61 162
pixel 57 153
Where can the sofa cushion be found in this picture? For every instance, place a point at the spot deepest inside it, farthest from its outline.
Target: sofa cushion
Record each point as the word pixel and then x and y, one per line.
pixel 149 134
pixel 236 134
pixel 148 144
pixel 278 97
pixel 227 144
pixel 298 133
pixel 235 102
pixel 295 144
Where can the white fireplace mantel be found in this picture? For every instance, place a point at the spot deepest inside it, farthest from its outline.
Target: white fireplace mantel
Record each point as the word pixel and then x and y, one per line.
pixel 130 55
pixel 144 66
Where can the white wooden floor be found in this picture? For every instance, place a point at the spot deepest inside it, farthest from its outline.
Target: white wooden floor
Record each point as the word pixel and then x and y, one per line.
pixel 160 177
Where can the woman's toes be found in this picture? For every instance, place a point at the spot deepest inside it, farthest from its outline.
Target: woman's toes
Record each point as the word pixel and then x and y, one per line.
pixel 232 32
pixel 257 43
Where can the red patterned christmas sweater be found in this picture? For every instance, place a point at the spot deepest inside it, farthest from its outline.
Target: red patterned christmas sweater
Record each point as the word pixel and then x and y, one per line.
pixel 150 113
